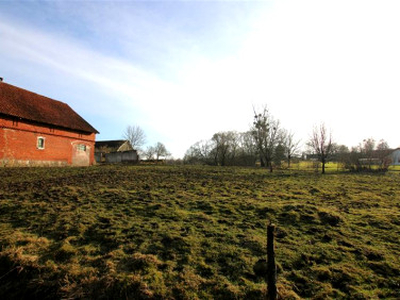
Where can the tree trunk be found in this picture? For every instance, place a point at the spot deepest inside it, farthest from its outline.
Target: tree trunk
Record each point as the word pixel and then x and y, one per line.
pixel 262 163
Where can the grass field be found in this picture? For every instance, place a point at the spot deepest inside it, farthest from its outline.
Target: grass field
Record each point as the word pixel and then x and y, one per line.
pixel 168 232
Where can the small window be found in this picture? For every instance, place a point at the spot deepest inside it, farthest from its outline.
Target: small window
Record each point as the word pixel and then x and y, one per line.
pixel 81 147
pixel 40 143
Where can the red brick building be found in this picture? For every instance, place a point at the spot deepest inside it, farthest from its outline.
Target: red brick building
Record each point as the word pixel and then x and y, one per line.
pixel 36 130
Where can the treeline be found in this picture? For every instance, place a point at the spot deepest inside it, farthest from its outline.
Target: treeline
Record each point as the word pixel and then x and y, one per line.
pixel 265 143
pixel 225 149
pixel 268 144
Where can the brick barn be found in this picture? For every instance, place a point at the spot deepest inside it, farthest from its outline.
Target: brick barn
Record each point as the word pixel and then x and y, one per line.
pixel 39 131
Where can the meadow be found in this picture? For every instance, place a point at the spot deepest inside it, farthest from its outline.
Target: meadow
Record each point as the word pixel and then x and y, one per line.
pixel 192 232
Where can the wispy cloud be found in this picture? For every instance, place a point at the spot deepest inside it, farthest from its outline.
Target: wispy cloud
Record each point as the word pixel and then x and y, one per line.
pixel 310 61
pixel 191 103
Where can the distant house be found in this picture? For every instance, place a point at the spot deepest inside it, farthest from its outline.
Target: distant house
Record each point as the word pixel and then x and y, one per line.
pixel 36 130
pixel 115 151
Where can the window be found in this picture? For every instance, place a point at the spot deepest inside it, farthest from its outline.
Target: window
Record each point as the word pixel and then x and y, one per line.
pixel 40 143
pixel 81 147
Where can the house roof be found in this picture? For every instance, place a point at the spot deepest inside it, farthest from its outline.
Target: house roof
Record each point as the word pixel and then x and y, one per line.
pixel 23 104
pixel 113 144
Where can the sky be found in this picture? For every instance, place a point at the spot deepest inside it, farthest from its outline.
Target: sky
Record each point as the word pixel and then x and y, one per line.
pixel 184 70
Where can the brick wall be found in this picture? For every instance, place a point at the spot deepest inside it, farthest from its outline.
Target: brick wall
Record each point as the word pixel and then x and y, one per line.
pixel 19 145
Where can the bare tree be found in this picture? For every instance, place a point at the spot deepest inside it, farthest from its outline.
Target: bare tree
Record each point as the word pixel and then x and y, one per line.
pixel 279 155
pixel 383 155
pixel 265 131
pixel 161 151
pixel 149 152
pixel 135 135
pixel 367 148
pixel 368 153
pixel 290 145
pixel 225 147
pixel 247 149
pixel 341 154
pixel 199 153
pixel 321 144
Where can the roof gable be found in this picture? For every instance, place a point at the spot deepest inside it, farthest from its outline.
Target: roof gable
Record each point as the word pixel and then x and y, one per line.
pixel 20 103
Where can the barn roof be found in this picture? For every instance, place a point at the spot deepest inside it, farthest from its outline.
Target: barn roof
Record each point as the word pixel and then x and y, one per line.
pixel 20 103
pixel 113 144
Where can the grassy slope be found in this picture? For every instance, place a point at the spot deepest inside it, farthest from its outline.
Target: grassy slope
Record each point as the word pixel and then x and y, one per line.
pixel 188 232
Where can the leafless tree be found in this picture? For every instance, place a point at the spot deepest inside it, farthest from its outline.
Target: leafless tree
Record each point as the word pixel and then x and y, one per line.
pixel 290 145
pixel 198 153
pixel 368 153
pixel 135 135
pixel 265 131
pixel 247 152
pixel 320 144
pixel 149 152
pixel 383 155
pixel 225 146
pixel 161 151
pixel 341 154
pixel 279 155
pixel 367 148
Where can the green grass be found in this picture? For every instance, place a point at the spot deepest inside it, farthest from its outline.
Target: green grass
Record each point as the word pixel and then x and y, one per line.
pixel 164 232
pixel 394 168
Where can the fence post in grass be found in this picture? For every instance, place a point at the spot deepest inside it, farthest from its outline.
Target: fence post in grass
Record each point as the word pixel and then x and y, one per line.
pixel 271 266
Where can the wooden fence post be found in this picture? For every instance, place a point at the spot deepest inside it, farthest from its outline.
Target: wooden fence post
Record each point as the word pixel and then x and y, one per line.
pixel 271 266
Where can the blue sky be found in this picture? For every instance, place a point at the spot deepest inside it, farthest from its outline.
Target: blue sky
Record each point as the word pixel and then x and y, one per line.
pixel 183 70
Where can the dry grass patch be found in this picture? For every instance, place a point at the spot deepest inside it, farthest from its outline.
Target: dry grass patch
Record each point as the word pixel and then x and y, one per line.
pixel 161 232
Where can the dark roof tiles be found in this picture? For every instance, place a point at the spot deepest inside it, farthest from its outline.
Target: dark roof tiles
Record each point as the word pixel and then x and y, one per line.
pixel 30 106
